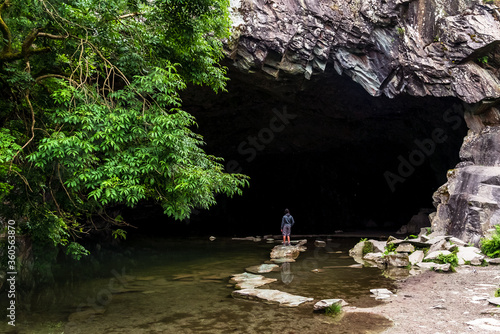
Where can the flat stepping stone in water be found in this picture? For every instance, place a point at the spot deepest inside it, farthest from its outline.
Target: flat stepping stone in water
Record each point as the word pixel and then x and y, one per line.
pixel 250 281
pixel 269 296
pixel 263 268
pixel 282 251
pixel 283 260
pixel 488 324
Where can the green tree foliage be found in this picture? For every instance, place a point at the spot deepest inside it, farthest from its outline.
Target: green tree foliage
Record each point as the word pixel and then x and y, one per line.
pixel 91 115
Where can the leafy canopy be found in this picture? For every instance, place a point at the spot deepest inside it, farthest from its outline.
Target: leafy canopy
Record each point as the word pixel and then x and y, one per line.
pixel 91 116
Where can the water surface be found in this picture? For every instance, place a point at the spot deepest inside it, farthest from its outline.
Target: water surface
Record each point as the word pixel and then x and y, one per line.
pixel 181 286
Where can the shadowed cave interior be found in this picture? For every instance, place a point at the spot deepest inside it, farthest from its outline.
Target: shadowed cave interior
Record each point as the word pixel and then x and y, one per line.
pixel 337 157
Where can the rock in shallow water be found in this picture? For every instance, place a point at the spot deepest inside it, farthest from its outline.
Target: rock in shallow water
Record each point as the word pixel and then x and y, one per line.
pixel 322 304
pixel 250 281
pixel 269 296
pixel 263 268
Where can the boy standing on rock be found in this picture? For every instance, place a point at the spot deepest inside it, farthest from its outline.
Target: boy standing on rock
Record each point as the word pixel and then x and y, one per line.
pixel 286 226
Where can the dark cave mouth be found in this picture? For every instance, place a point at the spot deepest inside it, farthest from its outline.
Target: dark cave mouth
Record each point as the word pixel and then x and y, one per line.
pixel 337 157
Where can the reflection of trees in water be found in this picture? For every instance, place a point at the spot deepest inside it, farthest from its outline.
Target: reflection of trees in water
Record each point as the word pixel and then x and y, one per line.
pixel 286 273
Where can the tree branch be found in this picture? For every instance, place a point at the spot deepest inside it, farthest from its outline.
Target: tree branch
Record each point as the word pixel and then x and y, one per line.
pixel 51 36
pixel 128 15
pixel 40 78
pixel 7 36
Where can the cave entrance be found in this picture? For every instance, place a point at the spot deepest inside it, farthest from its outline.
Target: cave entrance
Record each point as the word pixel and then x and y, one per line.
pixel 337 157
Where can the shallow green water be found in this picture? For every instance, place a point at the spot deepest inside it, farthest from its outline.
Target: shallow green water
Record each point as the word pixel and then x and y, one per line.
pixel 167 286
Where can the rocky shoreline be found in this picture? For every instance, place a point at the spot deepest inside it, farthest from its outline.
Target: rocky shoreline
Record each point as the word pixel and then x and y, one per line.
pixel 430 296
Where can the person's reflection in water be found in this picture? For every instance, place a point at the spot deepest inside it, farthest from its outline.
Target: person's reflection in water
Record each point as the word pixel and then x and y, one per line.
pixel 286 273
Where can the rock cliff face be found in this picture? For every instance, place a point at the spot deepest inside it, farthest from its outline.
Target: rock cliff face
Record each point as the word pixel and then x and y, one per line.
pixel 433 48
pixel 391 47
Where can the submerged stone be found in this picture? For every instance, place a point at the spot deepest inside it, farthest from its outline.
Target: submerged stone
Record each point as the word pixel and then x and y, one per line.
pixel 263 268
pixel 324 303
pixel 249 281
pixel 269 296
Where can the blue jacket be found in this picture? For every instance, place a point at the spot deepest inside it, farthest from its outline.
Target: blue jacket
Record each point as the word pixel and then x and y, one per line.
pixel 287 219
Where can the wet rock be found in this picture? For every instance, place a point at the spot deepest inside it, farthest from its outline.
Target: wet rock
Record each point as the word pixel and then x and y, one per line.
pixel 269 296
pixel 282 251
pixel 250 281
pixel 263 268
pixel 324 303
pixel 468 205
pixel 416 257
pixel 437 246
pixel 397 260
pixel 378 246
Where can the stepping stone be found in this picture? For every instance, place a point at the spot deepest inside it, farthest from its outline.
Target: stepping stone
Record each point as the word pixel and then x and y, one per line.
pixel 269 296
pixel 250 281
pixel 263 268
pixel 380 294
pixel 322 304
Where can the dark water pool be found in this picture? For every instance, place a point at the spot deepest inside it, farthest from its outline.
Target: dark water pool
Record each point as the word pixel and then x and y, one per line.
pixel 181 286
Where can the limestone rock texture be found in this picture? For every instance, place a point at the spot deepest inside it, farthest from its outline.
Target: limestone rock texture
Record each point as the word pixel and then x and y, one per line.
pixel 433 48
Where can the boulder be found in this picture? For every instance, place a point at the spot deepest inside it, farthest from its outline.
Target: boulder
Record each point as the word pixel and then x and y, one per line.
pixel 397 260
pixel 269 296
pixel 470 254
pixel 416 257
pixel 434 266
pixel 282 251
pixel 405 248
